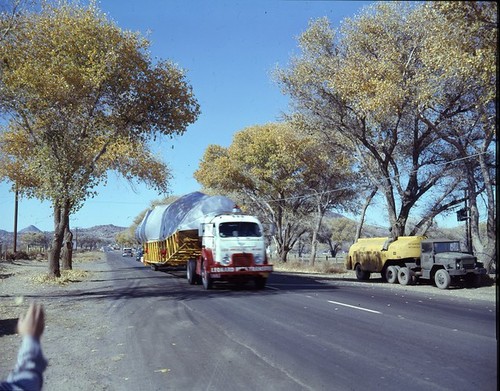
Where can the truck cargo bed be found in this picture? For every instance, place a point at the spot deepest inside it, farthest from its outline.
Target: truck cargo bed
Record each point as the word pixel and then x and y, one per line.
pixel 175 250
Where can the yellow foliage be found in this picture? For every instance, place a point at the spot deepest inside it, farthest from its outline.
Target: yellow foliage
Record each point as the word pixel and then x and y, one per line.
pixel 83 97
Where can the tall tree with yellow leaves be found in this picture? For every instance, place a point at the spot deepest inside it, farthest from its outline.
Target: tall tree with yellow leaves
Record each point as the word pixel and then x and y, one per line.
pixel 82 97
pixel 388 81
pixel 283 174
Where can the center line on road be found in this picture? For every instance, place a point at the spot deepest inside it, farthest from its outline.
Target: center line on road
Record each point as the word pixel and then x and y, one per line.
pixel 353 306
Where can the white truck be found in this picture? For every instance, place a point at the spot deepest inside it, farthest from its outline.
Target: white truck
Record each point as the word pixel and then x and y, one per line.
pixel 208 235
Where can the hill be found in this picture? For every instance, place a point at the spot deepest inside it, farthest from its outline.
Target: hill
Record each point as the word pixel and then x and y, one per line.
pixel 105 233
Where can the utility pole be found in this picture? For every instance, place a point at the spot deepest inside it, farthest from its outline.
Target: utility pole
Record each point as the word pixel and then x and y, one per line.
pixel 463 215
pixel 16 202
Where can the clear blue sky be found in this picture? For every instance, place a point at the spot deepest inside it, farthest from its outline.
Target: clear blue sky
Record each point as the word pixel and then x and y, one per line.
pixel 228 49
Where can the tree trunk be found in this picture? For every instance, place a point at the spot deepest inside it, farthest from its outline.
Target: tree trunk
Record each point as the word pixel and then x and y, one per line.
pixel 314 240
pixel 361 222
pixel 61 221
pixel 283 254
pixel 67 250
pixel 57 239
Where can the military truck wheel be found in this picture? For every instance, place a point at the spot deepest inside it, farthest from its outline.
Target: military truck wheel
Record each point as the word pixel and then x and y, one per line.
pixel 205 278
pixel 191 272
pixel 404 276
pixel 442 279
pixel 361 274
pixel 391 274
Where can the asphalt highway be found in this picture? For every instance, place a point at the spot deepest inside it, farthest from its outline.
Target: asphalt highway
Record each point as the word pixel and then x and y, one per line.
pixel 300 333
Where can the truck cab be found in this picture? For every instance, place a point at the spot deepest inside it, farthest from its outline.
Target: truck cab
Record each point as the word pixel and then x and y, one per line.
pixel 442 260
pixel 233 248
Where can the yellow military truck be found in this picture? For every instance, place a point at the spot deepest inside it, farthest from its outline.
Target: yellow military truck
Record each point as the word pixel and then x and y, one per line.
pixel 410 258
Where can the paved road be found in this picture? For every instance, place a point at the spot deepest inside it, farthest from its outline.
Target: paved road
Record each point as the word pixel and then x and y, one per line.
pixel 300 333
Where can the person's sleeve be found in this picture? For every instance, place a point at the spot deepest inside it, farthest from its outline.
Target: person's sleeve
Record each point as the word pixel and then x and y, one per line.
pixel 28 372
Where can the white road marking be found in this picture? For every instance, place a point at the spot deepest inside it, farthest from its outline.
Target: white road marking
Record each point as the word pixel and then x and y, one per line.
pixel 353 306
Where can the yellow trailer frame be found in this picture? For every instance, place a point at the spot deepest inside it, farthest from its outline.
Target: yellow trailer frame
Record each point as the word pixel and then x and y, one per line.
pixel 175 250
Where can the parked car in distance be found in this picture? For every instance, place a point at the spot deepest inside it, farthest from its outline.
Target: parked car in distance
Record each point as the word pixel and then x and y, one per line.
pixel 138 255
pixel 127 252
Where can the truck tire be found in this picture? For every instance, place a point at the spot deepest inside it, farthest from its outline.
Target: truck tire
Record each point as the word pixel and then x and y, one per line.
pixel 191 272
pixel 404 276
pixel 260 282
pixel 361 274
pixel 205 278
pixel 391 274
pixel 442 279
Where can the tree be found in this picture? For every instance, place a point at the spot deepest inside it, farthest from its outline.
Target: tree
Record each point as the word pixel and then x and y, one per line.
pixel 461 50
pixel 35 239
pixel 276 169
pixel 369 82
pixel 81 97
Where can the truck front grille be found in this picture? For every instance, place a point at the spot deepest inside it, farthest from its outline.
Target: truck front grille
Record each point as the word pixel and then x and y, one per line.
pixel 242 259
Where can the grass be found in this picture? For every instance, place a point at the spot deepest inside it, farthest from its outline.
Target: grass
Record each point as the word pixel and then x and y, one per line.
pixel 69 276
pixel 320 267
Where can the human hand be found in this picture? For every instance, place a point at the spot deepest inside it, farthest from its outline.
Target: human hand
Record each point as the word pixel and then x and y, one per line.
pixel 33 322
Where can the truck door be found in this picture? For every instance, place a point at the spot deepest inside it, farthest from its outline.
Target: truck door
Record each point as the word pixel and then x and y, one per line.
pixel 207 231
pixel 426 256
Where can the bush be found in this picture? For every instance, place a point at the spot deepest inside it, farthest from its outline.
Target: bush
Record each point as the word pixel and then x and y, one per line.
pixel 18 255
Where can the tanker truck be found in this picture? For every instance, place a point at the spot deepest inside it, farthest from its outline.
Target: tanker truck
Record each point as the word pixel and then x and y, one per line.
pixel 209 236
pixel 410 258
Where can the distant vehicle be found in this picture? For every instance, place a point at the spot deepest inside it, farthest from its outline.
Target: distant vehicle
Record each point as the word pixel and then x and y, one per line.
pixel 138 255
pixel 127 252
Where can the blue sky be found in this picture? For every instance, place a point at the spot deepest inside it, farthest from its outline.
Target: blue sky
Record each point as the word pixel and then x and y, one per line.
pixel 228 49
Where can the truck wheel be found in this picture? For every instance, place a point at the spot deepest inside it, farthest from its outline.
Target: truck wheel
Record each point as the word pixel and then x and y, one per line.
pixel 391 274
pixel 205 278
pixel 404 276
pixel 260 282
pixel 361 274
pixel 442 279
pixel 191 272
pixel 154 267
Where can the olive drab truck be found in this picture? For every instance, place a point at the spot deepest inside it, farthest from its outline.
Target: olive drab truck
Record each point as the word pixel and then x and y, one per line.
pixel 410 258
pixel 209 236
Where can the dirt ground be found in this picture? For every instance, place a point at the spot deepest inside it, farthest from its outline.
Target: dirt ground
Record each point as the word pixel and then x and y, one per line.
pixel 77 338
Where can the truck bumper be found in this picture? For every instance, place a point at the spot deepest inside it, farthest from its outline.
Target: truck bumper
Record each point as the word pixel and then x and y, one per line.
pixel 228 272
pixel 464 272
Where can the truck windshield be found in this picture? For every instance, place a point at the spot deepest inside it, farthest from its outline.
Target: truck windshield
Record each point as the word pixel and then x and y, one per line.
pixel 239 229
pixel 441 247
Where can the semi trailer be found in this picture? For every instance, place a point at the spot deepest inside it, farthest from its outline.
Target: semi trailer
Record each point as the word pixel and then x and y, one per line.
pixel 209 236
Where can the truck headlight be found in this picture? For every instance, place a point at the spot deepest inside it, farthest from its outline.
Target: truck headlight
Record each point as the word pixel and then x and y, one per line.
pixel 225 260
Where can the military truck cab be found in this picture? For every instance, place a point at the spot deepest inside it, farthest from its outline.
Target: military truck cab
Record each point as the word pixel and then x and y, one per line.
pixel 442 260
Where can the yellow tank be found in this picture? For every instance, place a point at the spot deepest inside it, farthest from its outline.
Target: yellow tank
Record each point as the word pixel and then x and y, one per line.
pixel 373 253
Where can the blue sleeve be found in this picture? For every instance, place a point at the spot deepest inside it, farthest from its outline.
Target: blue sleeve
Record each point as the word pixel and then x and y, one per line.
pixel 28 372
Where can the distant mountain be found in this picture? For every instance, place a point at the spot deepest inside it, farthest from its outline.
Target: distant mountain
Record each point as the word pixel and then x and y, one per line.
pixel 106 233
pixel 30 229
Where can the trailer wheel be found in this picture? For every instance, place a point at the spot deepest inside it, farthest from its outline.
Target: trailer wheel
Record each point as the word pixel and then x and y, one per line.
pixel 391 274
pixel 191 272
pixel 442 279
pixel 404 276
pixel 361 274
pixel 205 277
